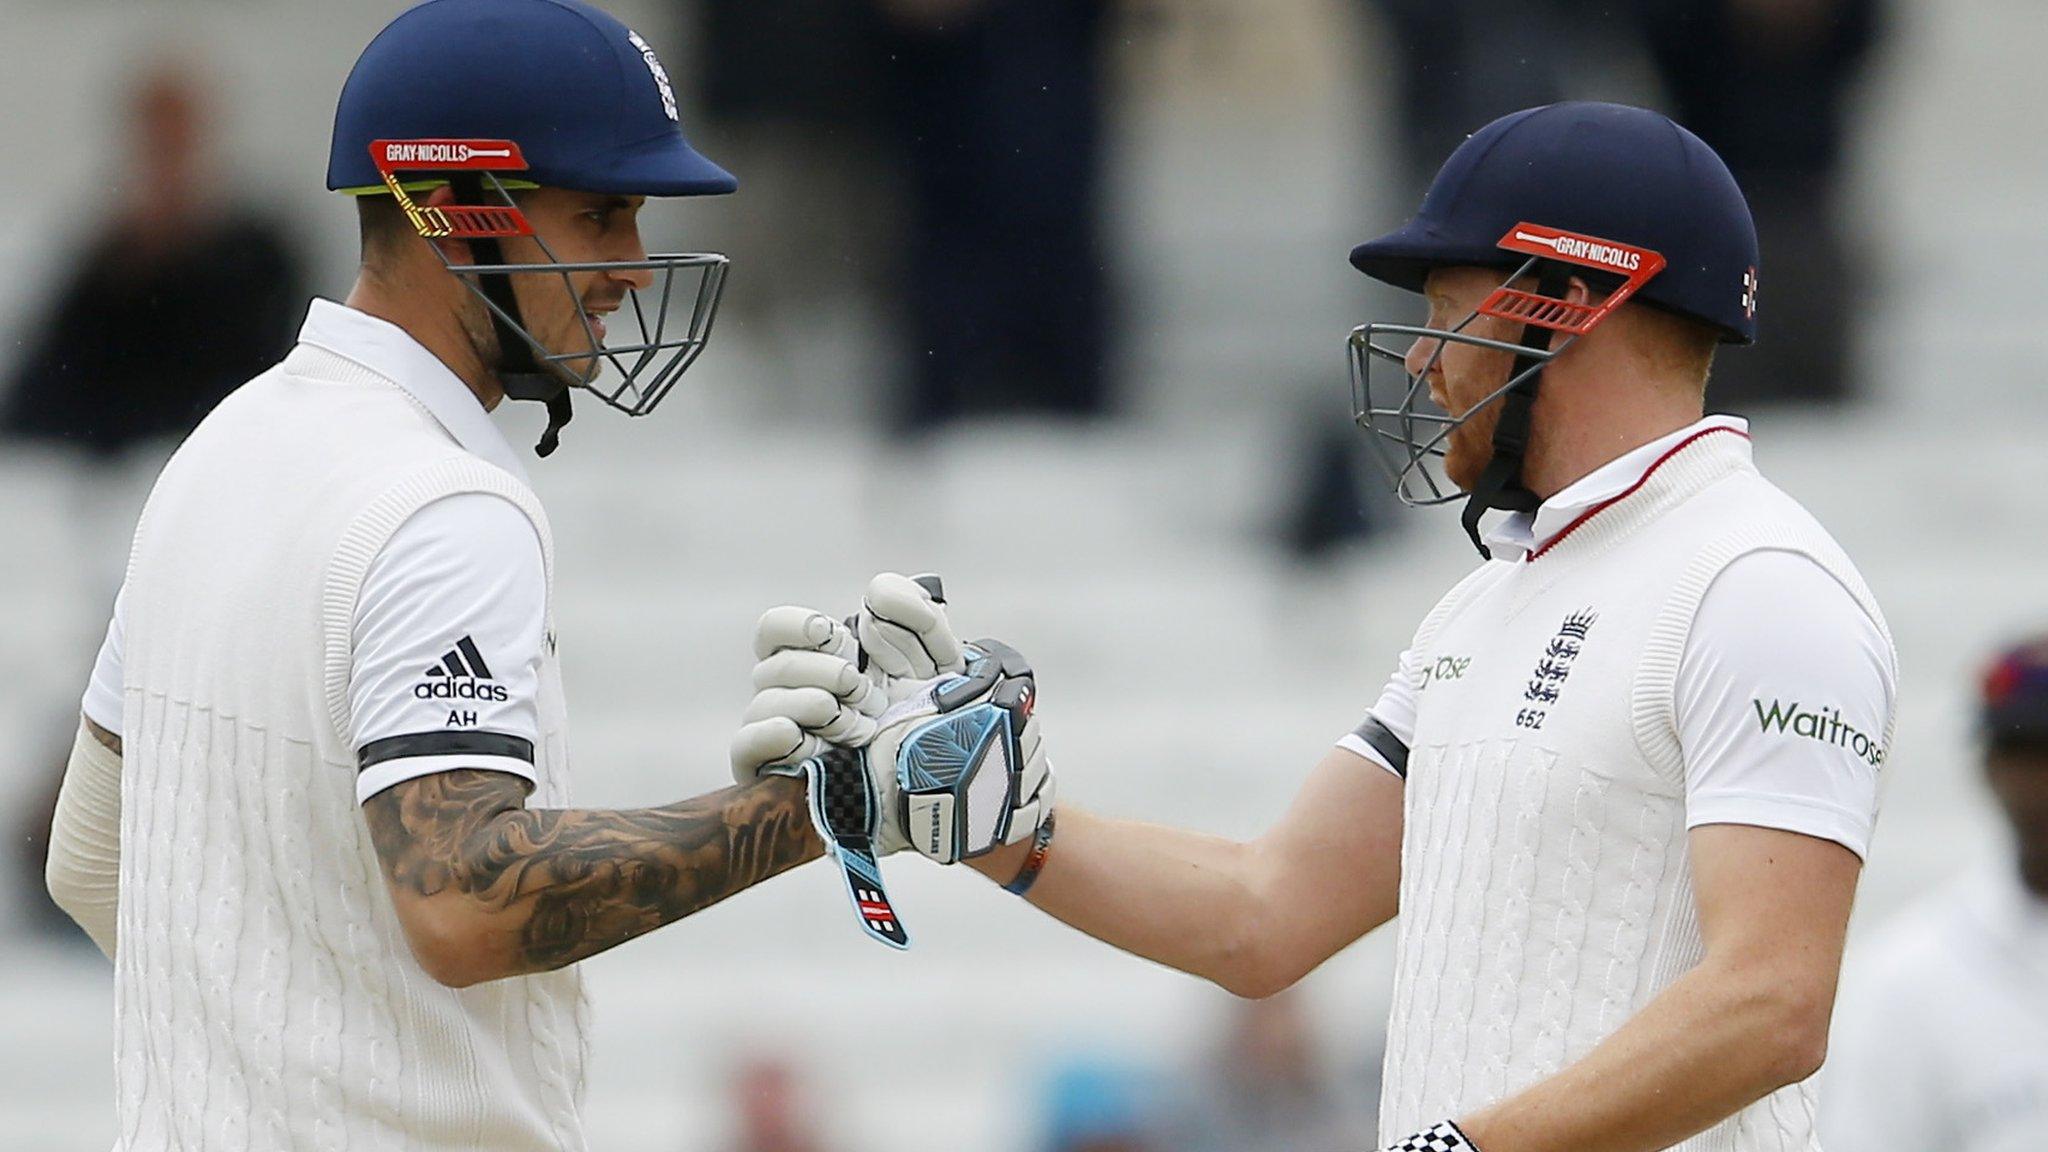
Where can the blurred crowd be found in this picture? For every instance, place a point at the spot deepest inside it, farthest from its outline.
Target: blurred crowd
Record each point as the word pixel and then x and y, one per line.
pixel 982 123
pixel 940 165
pixel 1265 1083
pixel 942 162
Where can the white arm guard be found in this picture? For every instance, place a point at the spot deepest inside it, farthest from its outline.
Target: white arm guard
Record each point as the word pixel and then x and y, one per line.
pixel 83 872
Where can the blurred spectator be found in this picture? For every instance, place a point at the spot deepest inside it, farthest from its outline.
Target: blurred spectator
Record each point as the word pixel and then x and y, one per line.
pixel 1334 498
pixel 170 303
pixel 1459 64
pixel 792 91
pixel 1941 1040
pixel 1094 1105
pixel 1766 82
pixel 1267 1088
pixel 810 61
pixel 773 1113
pixel 997 111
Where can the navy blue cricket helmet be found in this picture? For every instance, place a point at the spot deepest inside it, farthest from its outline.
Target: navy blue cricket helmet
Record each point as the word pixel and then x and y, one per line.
pixel 493 96
pixel 583 95
pixel 1621 197
pixel 1604 170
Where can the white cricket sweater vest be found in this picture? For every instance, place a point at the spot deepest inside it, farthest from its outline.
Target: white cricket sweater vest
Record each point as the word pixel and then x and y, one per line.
pixel 1546 893
pixel 265 996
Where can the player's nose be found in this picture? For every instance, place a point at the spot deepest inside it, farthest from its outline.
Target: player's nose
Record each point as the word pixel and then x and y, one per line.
pixel 1420 355
pixel 632 249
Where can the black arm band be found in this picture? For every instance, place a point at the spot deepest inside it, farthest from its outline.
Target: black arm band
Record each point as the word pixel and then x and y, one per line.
pixel 444 744
pixel 1388 745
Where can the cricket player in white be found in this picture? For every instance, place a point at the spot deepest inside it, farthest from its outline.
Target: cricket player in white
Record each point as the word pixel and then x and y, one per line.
pixel 318 808
pixel 1942 1037
pixel 1620 785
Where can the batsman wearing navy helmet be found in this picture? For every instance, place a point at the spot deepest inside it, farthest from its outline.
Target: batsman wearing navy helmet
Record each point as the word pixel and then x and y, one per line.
pixel 318 812
pixel 1620 785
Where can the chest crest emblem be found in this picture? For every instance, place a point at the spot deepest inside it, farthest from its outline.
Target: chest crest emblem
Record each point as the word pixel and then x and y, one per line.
pixel 1553 668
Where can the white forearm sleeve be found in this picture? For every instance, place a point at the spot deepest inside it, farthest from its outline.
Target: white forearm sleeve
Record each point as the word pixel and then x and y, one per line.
pixel 84 869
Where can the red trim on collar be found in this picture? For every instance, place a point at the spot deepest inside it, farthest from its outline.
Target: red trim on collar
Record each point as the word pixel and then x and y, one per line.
pixel 1611 501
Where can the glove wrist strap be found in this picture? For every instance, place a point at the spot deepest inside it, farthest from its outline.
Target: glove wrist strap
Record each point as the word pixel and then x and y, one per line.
pixel 843 810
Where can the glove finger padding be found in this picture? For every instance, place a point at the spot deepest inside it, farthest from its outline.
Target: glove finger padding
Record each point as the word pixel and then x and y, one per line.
pixel 772 742
pixel 815 710
pixel 784 726
pixel 903 627
pixel 803 629
pixel 795 668
pixel 968 777
pixel 809 691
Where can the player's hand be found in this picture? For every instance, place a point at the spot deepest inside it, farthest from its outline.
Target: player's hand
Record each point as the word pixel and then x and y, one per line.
pixel 903 632
pixel 958 763
pixel 819 682
pixel 809 692
pixel 1445 1137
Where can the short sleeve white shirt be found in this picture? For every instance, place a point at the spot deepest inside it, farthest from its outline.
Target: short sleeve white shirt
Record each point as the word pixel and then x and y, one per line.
pixel 1778 646
pixel 449 631
pixel 451 622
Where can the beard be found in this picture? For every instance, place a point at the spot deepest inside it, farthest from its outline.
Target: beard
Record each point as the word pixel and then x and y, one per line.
pixel 477 325
pixel 480 327
pixel 1470 447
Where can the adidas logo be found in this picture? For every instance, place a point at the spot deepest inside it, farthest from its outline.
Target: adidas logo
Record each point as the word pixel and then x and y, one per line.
pixel 461 675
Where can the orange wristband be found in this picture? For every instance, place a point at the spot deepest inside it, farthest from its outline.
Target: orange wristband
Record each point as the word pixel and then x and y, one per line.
pixel 1041 847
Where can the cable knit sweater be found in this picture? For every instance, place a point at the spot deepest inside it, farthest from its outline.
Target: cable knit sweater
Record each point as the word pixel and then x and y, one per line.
pixel 1546 892
pixel 265 995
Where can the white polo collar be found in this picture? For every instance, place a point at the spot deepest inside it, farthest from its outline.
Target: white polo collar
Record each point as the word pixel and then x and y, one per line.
pixel 1518 534
pixel 391 352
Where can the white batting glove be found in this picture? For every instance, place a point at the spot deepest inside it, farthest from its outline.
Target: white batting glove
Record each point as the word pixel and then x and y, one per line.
pixel 808 692
pixel 816 685
pixel 903 630
pixel 958 764
pixel 1445 1137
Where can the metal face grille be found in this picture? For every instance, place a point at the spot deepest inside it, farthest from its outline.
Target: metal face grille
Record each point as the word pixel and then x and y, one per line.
pixel 649 342
pixel 1407 430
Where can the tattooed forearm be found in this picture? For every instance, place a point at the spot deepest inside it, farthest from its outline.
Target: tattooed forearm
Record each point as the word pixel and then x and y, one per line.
pixel 556 886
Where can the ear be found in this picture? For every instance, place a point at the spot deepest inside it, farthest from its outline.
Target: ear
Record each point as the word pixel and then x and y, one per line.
pixel 1576 291
pixel 455 251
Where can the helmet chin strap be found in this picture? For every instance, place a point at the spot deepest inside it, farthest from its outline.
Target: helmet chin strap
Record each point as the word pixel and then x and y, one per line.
pixel 1500 484
pixel 519 373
